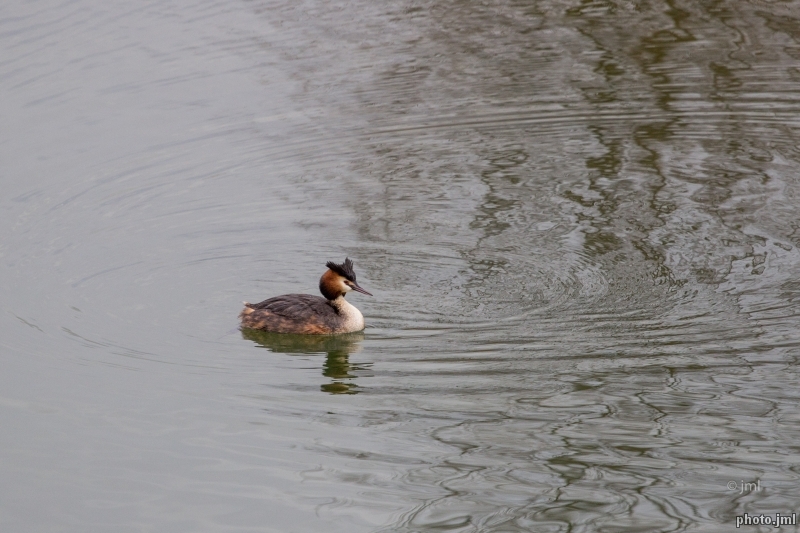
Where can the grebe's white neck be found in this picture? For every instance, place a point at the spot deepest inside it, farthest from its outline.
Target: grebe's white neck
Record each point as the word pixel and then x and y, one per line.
pixel 351 316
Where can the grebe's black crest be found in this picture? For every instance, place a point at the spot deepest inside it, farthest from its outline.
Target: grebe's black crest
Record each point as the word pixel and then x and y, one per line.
pixel 345 269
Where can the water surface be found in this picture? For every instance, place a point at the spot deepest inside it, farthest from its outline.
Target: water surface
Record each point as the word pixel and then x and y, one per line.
pixel 578 219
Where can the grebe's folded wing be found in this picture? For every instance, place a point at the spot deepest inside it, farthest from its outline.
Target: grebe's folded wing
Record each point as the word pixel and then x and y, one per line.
pixel 296 306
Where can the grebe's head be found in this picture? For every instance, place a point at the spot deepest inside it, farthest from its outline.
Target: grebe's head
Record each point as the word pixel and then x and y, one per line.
pixel 338 280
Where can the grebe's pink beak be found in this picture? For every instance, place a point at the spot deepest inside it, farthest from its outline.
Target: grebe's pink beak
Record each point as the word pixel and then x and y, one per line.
pixel 359 289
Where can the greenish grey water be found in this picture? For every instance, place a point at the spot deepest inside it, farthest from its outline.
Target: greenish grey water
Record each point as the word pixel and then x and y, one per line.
pixel 578 219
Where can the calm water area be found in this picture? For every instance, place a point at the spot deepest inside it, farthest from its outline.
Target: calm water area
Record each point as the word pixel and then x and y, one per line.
pixel 579 219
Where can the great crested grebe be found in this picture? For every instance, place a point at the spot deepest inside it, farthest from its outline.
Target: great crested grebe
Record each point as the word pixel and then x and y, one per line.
pixel 304 313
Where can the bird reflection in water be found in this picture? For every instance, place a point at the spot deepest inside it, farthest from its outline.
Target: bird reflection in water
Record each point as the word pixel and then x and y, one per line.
pixel 337 348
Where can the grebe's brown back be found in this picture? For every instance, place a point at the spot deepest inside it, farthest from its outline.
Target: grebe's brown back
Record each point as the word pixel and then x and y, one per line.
pixel 304 313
